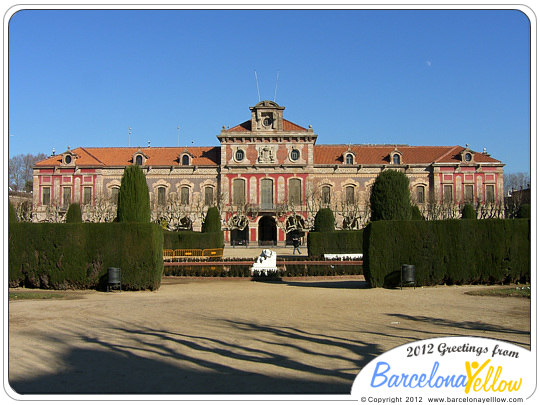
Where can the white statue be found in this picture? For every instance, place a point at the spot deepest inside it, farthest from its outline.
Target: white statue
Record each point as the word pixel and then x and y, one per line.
pixel 266 262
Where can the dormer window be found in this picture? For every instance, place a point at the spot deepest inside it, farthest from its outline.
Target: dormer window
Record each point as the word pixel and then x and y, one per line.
pixel 395 157
pixel 467 155
pixel 68 157
pixel 349 159
pixel 185 160
pixel 138 160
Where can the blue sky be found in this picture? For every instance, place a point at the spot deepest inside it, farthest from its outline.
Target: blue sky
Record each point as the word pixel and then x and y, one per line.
pixel 82 77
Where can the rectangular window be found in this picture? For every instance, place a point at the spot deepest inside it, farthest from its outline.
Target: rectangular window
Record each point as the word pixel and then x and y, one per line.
pixel 325 194
pixel 114 195
pixel 447 194
pixel 349 195
pixel 66 197
pixel 87 195
pixel 161 195
pixel 420 195
pixel 184 196
pixel 208 196
pixel 46 195
pixel 469 193
pixel 239 193
pixel 490 194
pixel 267 193
pixel 295 191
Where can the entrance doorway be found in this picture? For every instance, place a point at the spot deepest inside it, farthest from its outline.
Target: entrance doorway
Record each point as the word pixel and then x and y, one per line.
pixel 267 231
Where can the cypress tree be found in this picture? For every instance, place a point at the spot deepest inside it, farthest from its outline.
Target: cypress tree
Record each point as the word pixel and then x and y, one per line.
pixel 324 221
pixel 468 212
pixel 390 197
pixel 212 221
pixel 74 214
pixel 133 197
pixel 416 215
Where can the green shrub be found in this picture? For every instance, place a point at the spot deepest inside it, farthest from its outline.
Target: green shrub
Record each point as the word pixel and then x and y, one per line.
pixel 133 197
pixel 319 243
pixel 212 221
pixel 524 211
pixel 12 215
pixel 74 215
pixel 450 252
pixel 192 240
pixel 468 212
pixel 390 197
pixel 324 221
pixel 416 215
pixel 61 256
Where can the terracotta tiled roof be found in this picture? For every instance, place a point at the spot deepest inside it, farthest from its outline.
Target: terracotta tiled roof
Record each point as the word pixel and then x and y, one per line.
pixel 246 127
pixel 380 154
pixel 157 156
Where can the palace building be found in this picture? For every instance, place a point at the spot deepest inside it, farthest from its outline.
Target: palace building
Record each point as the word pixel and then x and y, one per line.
pixel 268 177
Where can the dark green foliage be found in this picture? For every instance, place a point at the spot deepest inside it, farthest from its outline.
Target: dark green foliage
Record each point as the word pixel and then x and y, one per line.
pixel 133 197
pixel 192 240
pixel 390 197
pixel 61 256
pixel 319 243
pixel 74 215
pixel 450 252
pixel 524 211
pixel 416 215
pixel 468 212
pixel 324 221
pixel 212 221
pixel 12 215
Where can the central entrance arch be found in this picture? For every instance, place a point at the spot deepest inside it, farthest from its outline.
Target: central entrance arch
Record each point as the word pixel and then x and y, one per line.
pixel 267 231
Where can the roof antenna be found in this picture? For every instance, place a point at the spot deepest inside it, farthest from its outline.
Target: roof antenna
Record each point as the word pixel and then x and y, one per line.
pixel 257 80
pixel 275 91
pixel 129 136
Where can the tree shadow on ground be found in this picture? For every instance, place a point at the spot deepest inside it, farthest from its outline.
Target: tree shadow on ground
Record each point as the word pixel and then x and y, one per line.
pixel 142 360
pixel 346 284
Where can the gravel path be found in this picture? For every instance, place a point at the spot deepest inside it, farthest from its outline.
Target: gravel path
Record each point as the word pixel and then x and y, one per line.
pixel 237 336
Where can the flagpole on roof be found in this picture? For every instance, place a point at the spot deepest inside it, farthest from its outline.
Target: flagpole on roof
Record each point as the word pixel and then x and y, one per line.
pixel 178 135
pixel 257 81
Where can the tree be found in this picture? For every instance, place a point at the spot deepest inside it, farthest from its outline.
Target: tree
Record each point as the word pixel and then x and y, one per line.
pixel 12 216
pixel 212 222
pixel 133 197
pixel 324 221
pixel 516 181
pixel 416 215
pixel 468 212
pixel 390 197
pixel 74 214
pixel 20 170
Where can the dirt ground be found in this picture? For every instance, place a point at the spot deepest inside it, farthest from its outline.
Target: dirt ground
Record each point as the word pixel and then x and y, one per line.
pixel 219 336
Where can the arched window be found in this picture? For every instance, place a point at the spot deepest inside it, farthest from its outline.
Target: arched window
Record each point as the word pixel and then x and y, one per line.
pixel 185 160
pixel 325 194
pixel 184 195
pixel 349 195
pixel 349 160
pixel 138 160
pixel 295 191
pixel 239 191
pixel 396 159
pixel 161 195
pixel 267 193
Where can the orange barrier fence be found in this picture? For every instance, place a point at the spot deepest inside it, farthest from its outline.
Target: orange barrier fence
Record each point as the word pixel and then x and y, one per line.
pixel 170 253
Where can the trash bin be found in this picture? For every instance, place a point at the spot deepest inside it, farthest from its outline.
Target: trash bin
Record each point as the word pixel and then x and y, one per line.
pixel 114 278
pixel 408 275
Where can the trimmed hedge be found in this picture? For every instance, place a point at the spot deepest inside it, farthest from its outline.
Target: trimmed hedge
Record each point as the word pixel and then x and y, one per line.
pixel 324 221
pixel 74 215
pixel 60 256
pixel 292 270
pixel 319 243
pixel 192 240
pixel 12 215
pixel 448 252
pixel 212 221
pixel 133 197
